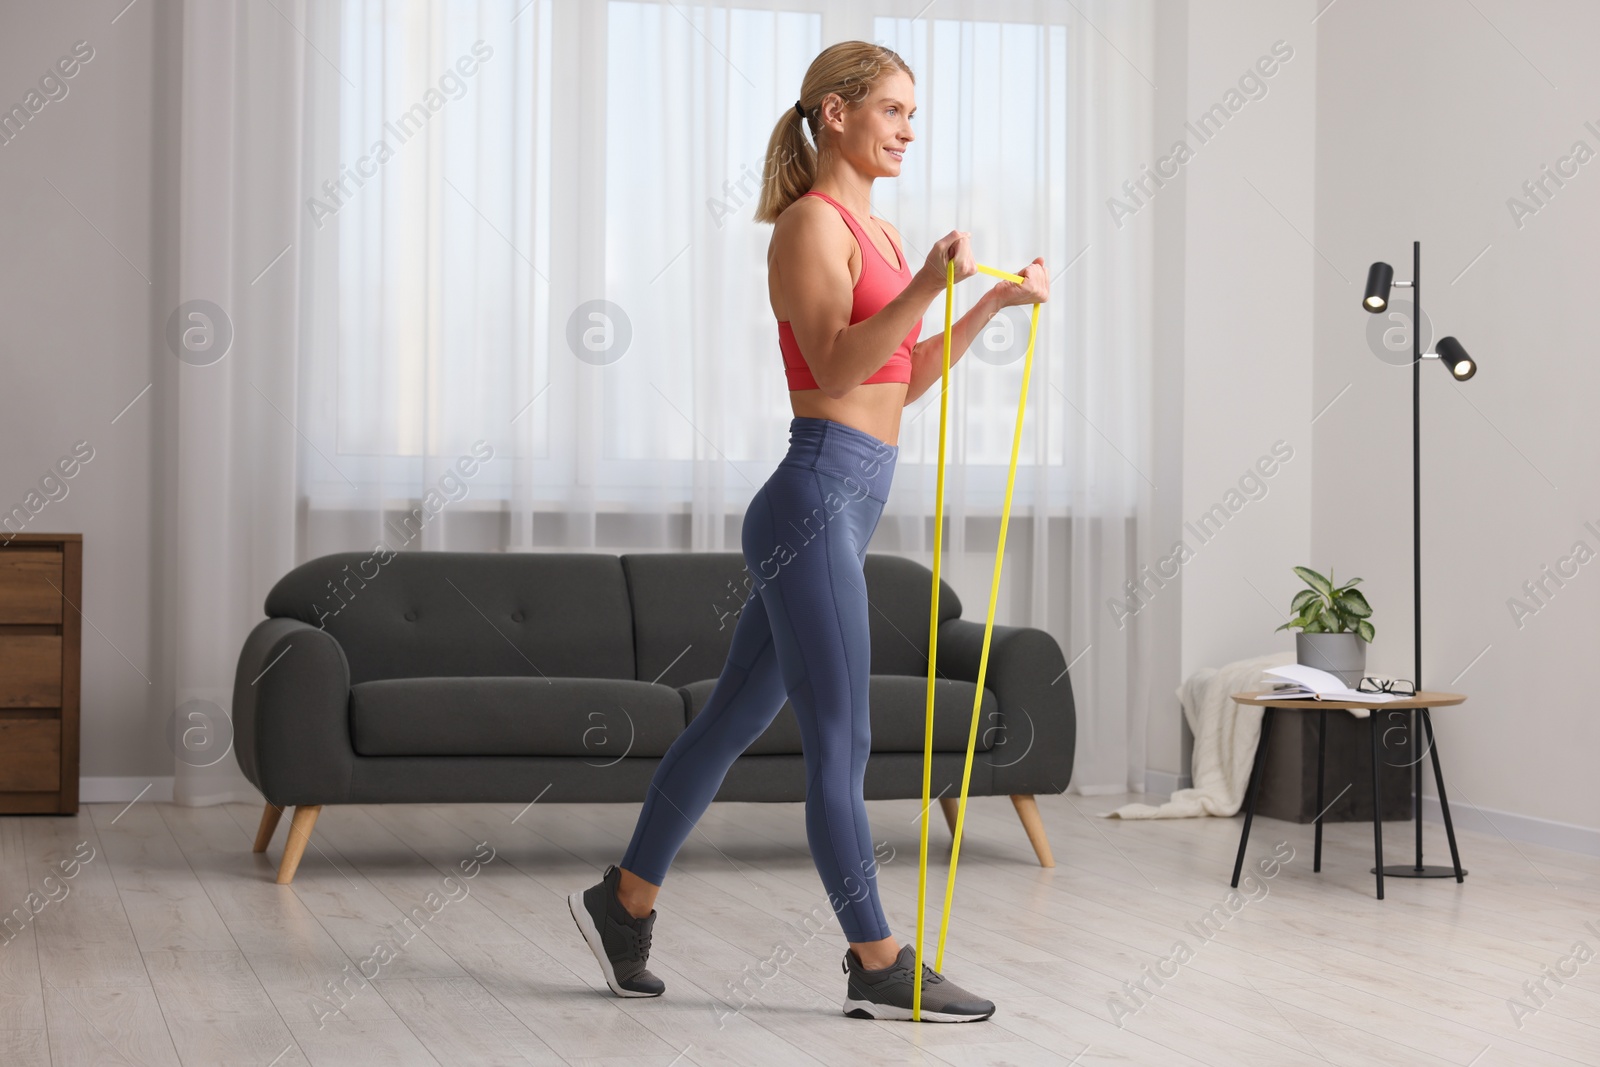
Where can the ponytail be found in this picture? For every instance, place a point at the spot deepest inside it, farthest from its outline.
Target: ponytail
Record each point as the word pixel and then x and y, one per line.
pixel 791 165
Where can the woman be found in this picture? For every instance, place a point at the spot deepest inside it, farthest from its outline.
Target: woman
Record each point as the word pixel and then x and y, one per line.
pixel 848 321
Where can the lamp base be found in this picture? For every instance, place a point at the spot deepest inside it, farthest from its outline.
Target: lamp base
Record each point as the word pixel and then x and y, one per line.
pixel 1411 870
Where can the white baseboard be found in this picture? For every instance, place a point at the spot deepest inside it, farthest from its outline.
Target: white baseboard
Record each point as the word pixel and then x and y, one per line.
pixel 1164 783
pixel 1097 790
pixel 160 790
pixel 1522 828
pixel 122 790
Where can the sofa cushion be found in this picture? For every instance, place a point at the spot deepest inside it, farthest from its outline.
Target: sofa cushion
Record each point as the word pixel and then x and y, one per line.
pixel 686 605
pixel 899 706
pixel 478 614
pixel 600 720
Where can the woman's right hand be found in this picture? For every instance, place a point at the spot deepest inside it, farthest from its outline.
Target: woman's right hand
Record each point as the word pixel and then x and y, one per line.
pixel 956 245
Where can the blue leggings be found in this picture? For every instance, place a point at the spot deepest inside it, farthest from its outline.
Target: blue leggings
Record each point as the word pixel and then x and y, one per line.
pixel 802 635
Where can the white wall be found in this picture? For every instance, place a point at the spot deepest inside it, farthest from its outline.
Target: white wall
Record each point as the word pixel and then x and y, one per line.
pixel 1430 118
pixel 1393 123
pixel 82 300
pixel 1248 330
pixel 1242 315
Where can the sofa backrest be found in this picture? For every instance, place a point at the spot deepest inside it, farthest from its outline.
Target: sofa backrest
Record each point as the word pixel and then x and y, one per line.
pixel 899 590
pixel 686 605
pixel 414 614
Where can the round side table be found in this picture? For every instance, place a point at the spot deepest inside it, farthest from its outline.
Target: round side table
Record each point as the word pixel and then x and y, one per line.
pixel 1420 703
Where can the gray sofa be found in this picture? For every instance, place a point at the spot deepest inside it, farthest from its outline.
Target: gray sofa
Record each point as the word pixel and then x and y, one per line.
pixel 462 677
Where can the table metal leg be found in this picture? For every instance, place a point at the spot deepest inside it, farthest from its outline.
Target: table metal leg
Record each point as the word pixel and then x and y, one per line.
pixel 1444 805
pixel 1322 746
pixel 1377 807
pixel 1257 772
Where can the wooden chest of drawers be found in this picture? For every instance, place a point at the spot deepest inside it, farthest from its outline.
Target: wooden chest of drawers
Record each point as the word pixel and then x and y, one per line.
pixel 41 589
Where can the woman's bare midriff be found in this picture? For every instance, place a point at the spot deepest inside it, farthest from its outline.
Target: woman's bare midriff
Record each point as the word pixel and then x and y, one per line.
pixel 873 409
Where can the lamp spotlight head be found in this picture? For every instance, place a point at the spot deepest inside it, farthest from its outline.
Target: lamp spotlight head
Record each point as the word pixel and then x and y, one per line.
pixel 1452 355
pixel 1380 276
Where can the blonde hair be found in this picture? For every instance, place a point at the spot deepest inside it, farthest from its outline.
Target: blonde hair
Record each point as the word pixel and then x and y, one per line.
pixel 850 70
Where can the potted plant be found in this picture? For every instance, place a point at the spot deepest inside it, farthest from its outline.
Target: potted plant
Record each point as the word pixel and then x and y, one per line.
pixel 1334 626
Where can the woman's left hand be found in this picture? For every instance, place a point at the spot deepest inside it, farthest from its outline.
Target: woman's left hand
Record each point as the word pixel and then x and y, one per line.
pixel 1034 290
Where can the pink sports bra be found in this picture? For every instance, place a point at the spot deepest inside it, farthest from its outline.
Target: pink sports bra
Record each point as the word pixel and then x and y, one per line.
pixel 879 283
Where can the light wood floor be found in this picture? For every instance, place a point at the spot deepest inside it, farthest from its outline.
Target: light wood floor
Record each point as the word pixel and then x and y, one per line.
pixel 174 945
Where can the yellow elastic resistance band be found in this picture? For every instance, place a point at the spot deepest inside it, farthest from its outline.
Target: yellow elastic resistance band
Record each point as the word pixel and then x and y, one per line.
pixel 933 628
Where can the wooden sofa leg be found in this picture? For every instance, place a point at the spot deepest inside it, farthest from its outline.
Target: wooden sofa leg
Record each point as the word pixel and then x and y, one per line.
pixel 269 826
pixel 950 806
pixel 1028 810
pixel 305 817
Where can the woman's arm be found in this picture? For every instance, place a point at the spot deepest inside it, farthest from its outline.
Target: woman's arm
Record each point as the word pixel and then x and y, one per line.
pixel 927 355
pixel 811 253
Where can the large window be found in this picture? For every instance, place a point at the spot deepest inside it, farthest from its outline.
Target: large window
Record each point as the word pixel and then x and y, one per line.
pixel 556 251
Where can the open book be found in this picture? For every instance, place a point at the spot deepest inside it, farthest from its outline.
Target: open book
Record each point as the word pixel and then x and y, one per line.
pixel 1308 682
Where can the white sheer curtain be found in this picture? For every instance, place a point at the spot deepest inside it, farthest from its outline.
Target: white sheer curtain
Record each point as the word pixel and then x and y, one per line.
pixel 232 446
pixel 525 227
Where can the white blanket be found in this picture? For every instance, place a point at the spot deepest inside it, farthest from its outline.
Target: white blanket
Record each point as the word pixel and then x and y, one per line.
pixel 1225 736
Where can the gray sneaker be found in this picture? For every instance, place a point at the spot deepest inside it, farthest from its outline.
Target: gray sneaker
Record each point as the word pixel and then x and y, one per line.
pixel 619 941
pixel 886 994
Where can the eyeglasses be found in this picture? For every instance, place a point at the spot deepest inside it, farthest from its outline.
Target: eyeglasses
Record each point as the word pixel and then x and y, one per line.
pixel 1398 686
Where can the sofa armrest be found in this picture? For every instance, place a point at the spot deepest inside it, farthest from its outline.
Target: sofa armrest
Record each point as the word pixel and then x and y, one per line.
pixel 291 714
pixel 1027 674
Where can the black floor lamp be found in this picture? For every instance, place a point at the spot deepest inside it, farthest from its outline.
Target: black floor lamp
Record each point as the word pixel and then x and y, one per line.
pixel 1449 352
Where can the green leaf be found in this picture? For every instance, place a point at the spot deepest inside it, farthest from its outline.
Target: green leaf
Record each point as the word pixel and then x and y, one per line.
pixel 1353 602
pixel 1315 580
pixel 1364 628
pixel 1285 626
pixel 1301 599
pixel 1351 582
pixel 1314 627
